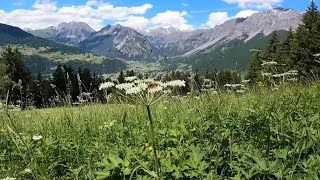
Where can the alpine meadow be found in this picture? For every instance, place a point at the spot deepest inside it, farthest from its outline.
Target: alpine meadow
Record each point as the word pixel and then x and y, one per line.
pixel 123 90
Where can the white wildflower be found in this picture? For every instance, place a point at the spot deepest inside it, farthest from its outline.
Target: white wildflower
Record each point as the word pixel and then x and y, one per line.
pixel 214 92
pixel 142 86
pixel 27 171
pixel 246 81
pixel 269 63
pixel 109 125
pixel 240 91
pixel 9 178
pixel 175 83
pixel 37 137
pixel 266 74
pixel 143 81
pixel 124 86
pixel 293 72
pixel 133 90
pixel 106 85
pixel 293 79
pixel 279 75
pixel 86 94
pixel 167 91
pixel 155 89
pixel 233 85
pixel 130 79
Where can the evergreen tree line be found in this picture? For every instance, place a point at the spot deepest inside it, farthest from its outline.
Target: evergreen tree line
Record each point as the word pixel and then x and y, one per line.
pixel 20 87
pixel 294 58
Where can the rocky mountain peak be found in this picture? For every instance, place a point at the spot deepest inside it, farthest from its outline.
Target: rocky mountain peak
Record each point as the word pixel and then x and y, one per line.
pixel 72 32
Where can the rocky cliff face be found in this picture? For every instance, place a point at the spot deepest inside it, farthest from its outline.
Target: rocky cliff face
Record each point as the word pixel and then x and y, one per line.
pixel 66 33
pixel 73 33
pixel 119 41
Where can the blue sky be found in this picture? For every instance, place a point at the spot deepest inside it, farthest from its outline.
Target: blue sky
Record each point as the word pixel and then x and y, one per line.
pixel 182 14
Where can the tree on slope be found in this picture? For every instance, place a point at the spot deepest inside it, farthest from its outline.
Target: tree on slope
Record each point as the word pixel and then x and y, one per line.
pixel 255 67
pixel 308 38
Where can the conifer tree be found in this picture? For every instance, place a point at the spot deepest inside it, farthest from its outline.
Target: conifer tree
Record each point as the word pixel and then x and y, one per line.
pixel 12 58
pixel 121 78
pixel 308 39
pixel 255 67
pixel 286 55
pixel 272 49
pixel 4 79
pixel 59 78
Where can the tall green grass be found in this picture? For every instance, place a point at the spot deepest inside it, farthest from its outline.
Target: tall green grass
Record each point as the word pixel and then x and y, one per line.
pixel 260 135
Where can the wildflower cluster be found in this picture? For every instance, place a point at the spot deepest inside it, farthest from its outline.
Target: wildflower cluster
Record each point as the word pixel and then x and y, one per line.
pixel 37 137
pixel 107 125
pixel 106 85
pixel 238 88
pixel 145 91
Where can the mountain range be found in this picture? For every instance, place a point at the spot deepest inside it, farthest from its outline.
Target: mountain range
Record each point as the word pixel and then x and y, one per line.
pixel 125 42
pixel 43 55
pixel 218 44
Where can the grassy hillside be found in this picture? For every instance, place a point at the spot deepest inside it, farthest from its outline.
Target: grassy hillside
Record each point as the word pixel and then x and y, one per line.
pixel 47 33
pixel 44 60
pixel 35 42
pixel 259 135
pixel 233 55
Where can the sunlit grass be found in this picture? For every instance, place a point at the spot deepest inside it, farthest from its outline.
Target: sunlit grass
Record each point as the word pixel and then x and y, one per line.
pixel 207 137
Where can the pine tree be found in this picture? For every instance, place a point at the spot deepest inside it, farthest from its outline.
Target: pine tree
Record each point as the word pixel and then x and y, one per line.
pixel 121 78
pixel 130 73
pixel 272 49
pixel 308 39
pixel 255 67
pixel 285 55
pixel 59 78
pixel 16 72
pixel 197 81
pixel 86 78
pixel 4 79
pixel 12 58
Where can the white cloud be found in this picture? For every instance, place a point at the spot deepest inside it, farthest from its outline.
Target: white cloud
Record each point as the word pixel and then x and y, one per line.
pixel 218 18
pixel 45 5
pixel 245 13
pixel 260 4
pixel 46 13
pixel 172 19
pixel 135 22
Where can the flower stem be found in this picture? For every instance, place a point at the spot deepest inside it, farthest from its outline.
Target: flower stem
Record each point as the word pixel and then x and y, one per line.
pixel 153 139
